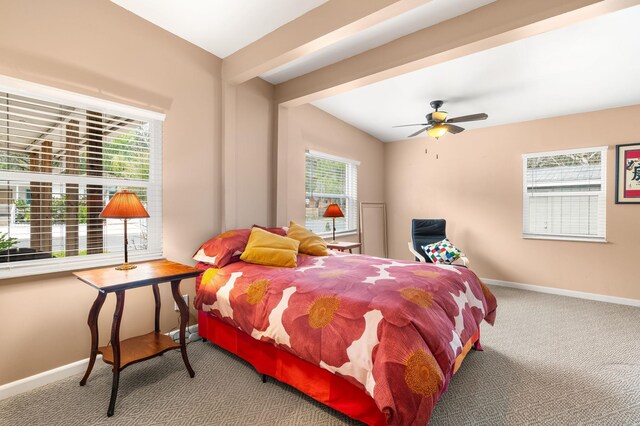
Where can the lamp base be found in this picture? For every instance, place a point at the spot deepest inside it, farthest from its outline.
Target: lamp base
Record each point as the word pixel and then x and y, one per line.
pixel 126 267
pixel 333 241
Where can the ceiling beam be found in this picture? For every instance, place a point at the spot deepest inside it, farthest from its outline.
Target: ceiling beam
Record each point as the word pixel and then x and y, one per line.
pixel 495 24
pixel 327 24
pixel 37 141
pixel 59 154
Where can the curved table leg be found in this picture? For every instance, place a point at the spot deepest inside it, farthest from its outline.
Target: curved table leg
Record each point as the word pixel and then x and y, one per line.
pixel 93 326
pixel 184 318
pixel 156 297
pixel 115 346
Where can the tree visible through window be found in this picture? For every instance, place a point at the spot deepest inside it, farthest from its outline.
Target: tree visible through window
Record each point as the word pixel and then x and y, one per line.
pixel 330 180
pixel 59 165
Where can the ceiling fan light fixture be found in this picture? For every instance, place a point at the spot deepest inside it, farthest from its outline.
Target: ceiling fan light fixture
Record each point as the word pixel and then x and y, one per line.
pixel 438 122
pixel 437 131
pixel 439 115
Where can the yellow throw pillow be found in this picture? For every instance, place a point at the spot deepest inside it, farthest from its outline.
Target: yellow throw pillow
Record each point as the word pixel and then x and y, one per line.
pixel 265 248
pixel 310 243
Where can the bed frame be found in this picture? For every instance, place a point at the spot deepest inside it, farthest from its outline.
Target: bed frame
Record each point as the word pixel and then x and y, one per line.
pixel 321 385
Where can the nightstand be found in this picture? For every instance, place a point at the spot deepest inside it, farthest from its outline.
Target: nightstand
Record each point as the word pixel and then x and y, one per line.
pixel 343 246
pixel 135 349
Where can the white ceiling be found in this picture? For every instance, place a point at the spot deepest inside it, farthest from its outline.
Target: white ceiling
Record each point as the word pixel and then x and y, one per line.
pixel 220 26
pixel 589 66
pixel 421 17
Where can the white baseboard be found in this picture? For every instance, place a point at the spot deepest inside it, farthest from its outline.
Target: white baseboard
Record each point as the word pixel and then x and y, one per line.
pixel 59 373
pixel 563 292
pixel 44 378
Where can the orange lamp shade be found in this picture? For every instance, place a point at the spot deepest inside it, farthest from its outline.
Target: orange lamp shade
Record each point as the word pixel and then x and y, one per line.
pixel 333 210
pixel 124 205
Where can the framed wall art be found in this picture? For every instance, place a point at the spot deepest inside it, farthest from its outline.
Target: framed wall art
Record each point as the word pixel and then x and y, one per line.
pixel 628 174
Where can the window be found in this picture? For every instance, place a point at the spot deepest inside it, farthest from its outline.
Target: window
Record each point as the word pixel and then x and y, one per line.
pixel 564 195
pixel 62 156
pixel 329 180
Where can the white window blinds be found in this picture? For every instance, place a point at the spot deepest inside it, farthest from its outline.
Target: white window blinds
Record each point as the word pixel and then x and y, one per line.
pixel 62 156
pixel 330 179
pixel 564 195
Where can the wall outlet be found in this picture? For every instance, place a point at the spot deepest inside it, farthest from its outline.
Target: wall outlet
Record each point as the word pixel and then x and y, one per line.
pixel 185 297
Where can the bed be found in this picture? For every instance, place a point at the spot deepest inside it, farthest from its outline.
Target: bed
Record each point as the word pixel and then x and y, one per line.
pixel 376 339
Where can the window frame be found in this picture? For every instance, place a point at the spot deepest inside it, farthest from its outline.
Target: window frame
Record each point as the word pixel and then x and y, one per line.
pixel 153 185
pixel 602 197
pixel 351 199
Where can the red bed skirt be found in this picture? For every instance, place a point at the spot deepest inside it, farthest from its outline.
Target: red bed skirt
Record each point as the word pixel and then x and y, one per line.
pixel 319 384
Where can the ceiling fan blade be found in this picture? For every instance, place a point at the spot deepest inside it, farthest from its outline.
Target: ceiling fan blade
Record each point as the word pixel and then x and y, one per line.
pixel 408 125
pixel 418 132
pixel 452 128
pixel 472 117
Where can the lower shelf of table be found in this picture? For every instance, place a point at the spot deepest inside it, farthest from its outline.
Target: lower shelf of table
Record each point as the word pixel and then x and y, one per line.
pixel 139 348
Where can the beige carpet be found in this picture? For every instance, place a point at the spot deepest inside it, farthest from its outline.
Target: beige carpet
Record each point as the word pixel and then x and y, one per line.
pixel 549 360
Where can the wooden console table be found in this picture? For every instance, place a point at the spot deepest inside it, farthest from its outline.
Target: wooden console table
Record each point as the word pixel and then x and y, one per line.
pixel 343 246
pixel 135 349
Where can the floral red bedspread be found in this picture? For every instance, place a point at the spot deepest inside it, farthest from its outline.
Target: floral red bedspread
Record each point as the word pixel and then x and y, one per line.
pixel 393 328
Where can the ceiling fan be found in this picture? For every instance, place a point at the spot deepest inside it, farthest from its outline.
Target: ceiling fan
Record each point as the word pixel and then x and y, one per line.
pixel 437 123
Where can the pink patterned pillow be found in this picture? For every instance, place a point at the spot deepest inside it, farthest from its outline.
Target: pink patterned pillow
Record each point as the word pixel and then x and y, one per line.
pixel 224 249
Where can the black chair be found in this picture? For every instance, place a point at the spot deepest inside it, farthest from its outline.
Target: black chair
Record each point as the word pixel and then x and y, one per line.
pixel 427 231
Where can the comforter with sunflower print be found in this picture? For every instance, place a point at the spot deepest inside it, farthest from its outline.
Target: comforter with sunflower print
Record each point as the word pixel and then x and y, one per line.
pixel 393 328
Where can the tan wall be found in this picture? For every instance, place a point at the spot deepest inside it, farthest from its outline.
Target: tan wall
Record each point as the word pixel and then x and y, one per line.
pixel 254 148
pixel 476 184
pixel 312 128
pixel 97 48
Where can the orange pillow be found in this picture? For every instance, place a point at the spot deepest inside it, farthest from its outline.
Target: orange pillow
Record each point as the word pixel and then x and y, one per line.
pixel 310 243
pixel 265 248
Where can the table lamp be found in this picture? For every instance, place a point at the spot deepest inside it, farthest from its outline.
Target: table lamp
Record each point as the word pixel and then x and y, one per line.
pixel 124 205
pixel 333 211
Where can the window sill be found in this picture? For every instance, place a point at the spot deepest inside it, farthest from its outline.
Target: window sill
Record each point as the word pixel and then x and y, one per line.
pixel 54 266
pixel 564 238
